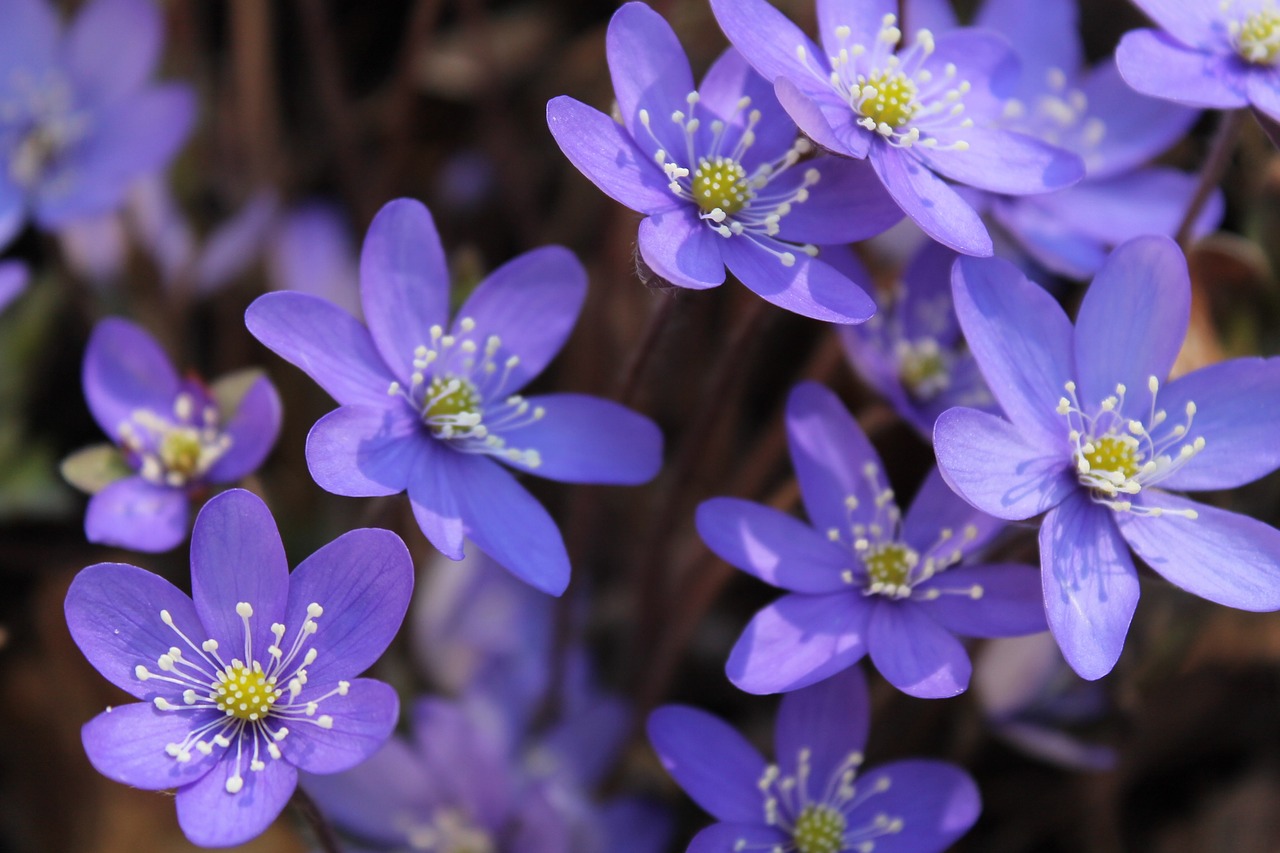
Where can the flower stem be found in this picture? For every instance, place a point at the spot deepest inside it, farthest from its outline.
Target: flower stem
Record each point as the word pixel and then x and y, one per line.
pixel 1215 166
pixel 307 809
pixel 643 353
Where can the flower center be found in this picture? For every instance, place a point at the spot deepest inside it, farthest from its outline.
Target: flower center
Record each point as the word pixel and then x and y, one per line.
pixel 449 832
pixel 176 449
pixel 1114 456
pixel 889 564
pixel 44 112
pixel 924 368
pixel 721 182
pixel 1059 114
pixel 889 97
pixel 451 403
pixel 819 829
pixel 1257 37
pixel 245 692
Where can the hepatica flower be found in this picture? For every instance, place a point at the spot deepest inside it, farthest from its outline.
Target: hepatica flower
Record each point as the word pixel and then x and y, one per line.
pixel 817 797
pixel 253 677
pixel 433 407
pixel 13 280
pixel 863 579
pixel 1219 54
pixel 172 437
pixel 923 114
pixel 721 176
pixel 1097 439
pixel 79 120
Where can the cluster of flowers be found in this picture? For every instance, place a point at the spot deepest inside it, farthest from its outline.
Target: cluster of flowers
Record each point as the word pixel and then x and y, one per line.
pixel 785 153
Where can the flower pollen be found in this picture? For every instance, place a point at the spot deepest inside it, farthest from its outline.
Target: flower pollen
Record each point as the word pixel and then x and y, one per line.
pixel 889 98
pixel 177 448
pixel 1257 37
pixel 819 829
pixel 924 367
pixel 720 182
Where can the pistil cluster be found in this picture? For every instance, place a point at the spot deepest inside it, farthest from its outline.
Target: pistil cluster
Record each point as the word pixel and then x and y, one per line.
pixel 177 449
pixel 1256 37
pixel 40 119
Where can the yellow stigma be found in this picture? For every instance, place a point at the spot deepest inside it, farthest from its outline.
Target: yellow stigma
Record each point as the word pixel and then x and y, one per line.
pixel 245 692
pixel 180 450
pixel 1257 38
pixel 445 399
pixel 1115 453
pixel 819 829
pixel 890 563
pixel 894 99
pixel 923 369
pixel 721 183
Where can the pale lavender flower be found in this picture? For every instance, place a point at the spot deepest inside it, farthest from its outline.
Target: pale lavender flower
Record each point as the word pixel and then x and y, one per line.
pixel 312 251
pixel 1094 437
pixel 433 408
pixel 862 578
pixel 721 176
pixel 253 677
pixel 817 797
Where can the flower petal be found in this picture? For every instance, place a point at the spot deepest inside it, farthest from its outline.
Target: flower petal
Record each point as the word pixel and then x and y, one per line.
pixel 993 466
pixel 434 501
pixel 1223 556
pixel 800 640
pixel 730 79
pixel 29 40
pixel 363 580
pixel 237 556
pixel 404 283
pixel 829 720
pixel 714 764
pixel 769 41
pixel 1045 36
pixel 360 451
pixel 678 246
pixel 1006 162
pixel 13 279
pixel 1190 23
pixel 930 202
pixel 824 118
pixel 935 802
pixel 1050 241
pixel 847 204
pixel 363 719
pixel 937 508
pixel 1090 585
pixel 1263 88
pixel 808 287
pixel 584 439
pixel 864 18
pixel 125 370
pixel 1138 128
pixel 137 514
pixel 1156 65
pixel 916 654
pixel 448 738
pixel 649 71
pixel 325 342
pixel 1011 602
pixel 212 817
pixel 778 549
pixel 373 800
pixel 113 613
pixel 736 837
pixel 126 744
pixel 253 432
pixel 112 47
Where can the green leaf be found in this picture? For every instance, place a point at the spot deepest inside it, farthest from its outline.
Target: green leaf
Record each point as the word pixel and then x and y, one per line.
pixel 94 468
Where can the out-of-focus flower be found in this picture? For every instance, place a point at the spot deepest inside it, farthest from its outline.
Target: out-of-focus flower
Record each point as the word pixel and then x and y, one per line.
pixel 79 119
pixel 433 408
pixel 721 176
pixel 96 247
pixel 863 579
pixel 173 438
pixel 237 243
pixel 161 228
pixel 1094 437
pixel 817 798
pixel 250 679
pixel 312 251
pixel 13 280
pixel 921 114
pixel 1215 54
pixel 912 351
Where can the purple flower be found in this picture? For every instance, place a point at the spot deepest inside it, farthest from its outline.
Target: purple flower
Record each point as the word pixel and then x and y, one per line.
pixel 922 114
pixel 78 119
pixel 312 252
pixel 863 579
pixel 1215 54
pixel 432 408
pixel 175 437
pixel 912 351
pixel 719 173
pixel 13 280
pixel 252 680
pixel 817 798
pixel 1094 437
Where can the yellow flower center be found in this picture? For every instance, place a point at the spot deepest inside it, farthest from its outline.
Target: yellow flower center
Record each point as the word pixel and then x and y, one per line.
pixel 449 397
pixel 720 182
pixel 819 829
pixel 180 450
pixel 1117 454
pixel 894 102
pixel 1257 38
pixel 923 368
pixel 890 564
pixel 245 693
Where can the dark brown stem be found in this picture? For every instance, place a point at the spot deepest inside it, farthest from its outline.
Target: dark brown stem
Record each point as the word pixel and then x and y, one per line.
pixel 1215 166
pixel 634 370
pixel 310 813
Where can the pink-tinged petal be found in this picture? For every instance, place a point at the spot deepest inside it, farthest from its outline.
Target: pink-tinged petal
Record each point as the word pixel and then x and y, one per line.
pixel 126 744
pixel 1045 36
pixel 374 799
pixel 113 613
pixel 531 303
pixel 139 515
pixel 679 246
pixel 1138 128
pixel 404 283
pixel 864 18
pixel 1022 341
pixel 829 452
pixel 1009 601
pixel 363 719
pixel 237 556
pixel 1002 161
pixel 584 439
pixel 935 802
pixel 800 640
pixel 714 764
pixel 1132 323
pixel 325 342
pixel 650 72
pixel 434 501
pixel 253 431
pixel 1090 585
pixel 125 370
pixel 930 202
pixel 1193 24
pixel 1263 89
pixel 915 653
pixel 603 151
pixel 359 451
pixel 809 287
pixel 1156 65
pixel 772 546
pixel 935 508
pixel 212 817
pixel 729 79
pixel 829 719
pixel 991 464
pixel 824 118
pixel 770 42
pixel 112 47
pixel 1237 409
pixel 363 580
pixel 847 204
pixel 736 837
pixel 1223 556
